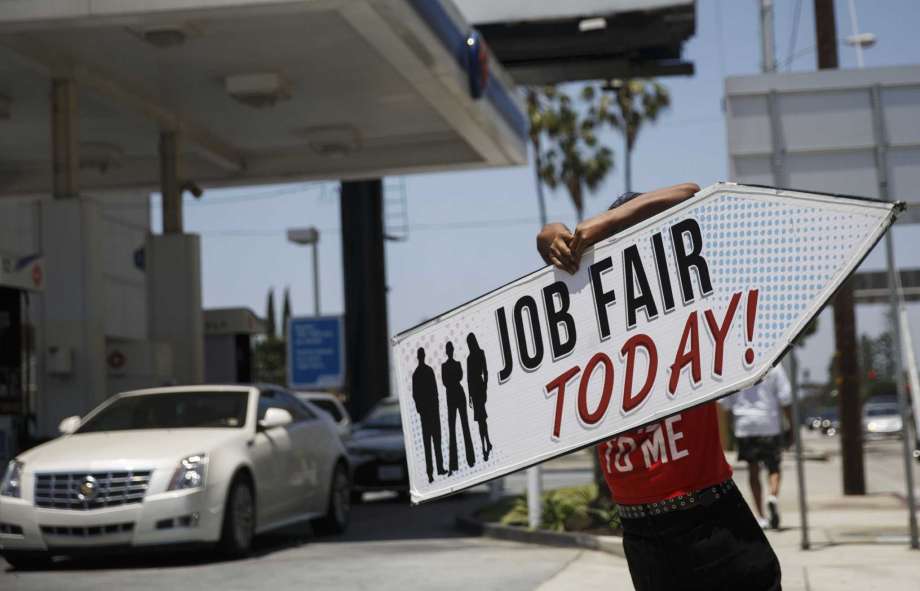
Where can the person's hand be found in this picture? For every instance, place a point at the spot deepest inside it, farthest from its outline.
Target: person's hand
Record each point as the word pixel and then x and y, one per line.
pixel 553 245
pixel 588 233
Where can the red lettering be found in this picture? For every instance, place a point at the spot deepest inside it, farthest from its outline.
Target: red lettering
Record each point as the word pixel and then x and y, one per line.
pixel 684 356
pixel 630 400
pixel 719 332
pixel 591 418
pixel 559 385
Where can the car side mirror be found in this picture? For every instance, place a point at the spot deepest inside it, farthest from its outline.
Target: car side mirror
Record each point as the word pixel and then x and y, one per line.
pixel 275 417
pixel 69 425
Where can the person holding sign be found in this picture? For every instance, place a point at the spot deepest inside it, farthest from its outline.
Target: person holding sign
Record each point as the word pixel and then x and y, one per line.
pixel 685 524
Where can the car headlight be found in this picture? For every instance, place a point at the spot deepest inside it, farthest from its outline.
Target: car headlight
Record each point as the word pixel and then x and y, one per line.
pixel 12 480
pixel 873 426
pixel 190 473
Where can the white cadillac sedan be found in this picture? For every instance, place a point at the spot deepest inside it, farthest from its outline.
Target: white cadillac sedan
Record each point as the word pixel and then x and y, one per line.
pixel 211 464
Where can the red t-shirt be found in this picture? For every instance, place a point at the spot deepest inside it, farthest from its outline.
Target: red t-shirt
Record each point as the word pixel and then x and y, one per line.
pixel 672 457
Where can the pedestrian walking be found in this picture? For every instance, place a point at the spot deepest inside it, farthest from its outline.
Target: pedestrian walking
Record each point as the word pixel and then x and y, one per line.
pixel 685 524
pixel 757 413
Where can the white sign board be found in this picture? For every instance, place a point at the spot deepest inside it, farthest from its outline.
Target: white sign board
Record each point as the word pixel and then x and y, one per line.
pixel 837 131
pixel 23 272
pixel 690 305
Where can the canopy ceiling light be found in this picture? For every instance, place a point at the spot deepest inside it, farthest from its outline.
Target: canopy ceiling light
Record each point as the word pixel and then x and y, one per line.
pixel 332 141
pixel 165 36
pixel 592 24
pixel 100 156
pixel 259 90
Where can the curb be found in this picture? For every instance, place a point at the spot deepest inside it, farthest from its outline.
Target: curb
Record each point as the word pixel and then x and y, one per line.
pixel 609 544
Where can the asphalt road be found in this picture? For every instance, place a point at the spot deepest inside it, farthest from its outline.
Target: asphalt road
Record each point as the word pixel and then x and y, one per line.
pixel 389 545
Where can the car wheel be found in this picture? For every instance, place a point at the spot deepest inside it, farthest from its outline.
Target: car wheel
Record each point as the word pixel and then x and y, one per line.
pixel 27 560
pixel 239 519
pixel 338 511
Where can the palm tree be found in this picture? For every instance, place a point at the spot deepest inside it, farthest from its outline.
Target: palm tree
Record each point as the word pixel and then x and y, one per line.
pixel 637 101
pixel 575 158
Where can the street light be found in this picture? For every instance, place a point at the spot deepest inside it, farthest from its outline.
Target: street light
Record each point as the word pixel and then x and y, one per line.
pixel 858 40
pixel 309 236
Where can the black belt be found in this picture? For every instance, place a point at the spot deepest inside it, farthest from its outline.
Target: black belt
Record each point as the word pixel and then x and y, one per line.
pixel 702 497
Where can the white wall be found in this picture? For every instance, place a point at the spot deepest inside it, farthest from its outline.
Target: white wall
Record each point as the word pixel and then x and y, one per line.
pixel 125 223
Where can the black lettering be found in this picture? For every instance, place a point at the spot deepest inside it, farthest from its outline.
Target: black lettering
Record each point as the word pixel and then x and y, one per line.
pixel 528 361
pixel 661 264
pixel 635 272
pixel 685 260
pixel 556 318
pixel 505 341
pixel 602 298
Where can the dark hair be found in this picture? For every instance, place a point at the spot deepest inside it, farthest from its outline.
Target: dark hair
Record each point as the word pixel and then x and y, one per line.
pixel 471 342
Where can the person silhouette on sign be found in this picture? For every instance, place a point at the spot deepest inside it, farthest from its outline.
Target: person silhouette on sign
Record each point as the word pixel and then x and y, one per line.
pixel 451 374
pixel 425 394
pixel 477 379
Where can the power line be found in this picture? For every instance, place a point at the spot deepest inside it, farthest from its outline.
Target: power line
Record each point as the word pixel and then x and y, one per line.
pixel 434 226
pixel 232 199
pixel 793 39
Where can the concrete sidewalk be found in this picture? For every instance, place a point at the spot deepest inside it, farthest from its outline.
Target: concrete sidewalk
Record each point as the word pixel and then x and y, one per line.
pixel 856 542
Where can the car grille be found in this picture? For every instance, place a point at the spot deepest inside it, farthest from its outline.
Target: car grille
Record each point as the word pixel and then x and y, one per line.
pixel 87 531
pixel 66 490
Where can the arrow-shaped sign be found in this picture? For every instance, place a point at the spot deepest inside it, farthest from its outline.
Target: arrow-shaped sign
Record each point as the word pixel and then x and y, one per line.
pixel 688 306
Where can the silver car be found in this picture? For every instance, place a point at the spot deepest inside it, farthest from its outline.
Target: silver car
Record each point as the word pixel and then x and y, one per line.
pixel 882 419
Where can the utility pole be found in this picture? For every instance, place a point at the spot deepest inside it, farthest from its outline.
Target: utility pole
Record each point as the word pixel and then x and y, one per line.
pixel 846 360
pixel 767 37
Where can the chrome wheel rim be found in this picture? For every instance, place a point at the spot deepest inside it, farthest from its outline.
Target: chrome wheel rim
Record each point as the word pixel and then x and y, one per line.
pixel 243 516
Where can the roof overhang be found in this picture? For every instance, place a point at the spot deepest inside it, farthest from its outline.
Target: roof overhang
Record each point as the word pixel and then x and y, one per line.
pixel 360 88
pixel 549 42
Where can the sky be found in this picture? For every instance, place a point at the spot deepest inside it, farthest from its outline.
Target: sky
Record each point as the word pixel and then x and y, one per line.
pixel 473 231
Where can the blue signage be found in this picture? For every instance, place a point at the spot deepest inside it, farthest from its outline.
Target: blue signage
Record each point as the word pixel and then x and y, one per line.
pixel 316 353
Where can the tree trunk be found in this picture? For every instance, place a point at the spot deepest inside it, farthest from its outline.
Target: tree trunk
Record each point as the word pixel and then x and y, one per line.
pixel 537 166
pixel 627 167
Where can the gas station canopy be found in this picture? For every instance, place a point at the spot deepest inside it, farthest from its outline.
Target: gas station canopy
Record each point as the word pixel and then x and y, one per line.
pixel 257 90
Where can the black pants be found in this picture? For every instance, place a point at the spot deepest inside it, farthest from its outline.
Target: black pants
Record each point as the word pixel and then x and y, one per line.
pixel 431 436
pixel 711 548
pixel 455 406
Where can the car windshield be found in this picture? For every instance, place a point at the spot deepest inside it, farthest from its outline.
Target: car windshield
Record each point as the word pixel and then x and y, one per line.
pixel 384 417
pixel 881 411
pixel 328 406
pixel 172 410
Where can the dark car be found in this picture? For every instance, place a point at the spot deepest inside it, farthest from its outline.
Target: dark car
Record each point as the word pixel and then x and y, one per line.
pixel 378 452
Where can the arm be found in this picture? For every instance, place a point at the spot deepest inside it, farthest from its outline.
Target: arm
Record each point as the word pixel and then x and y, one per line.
pixel 564 249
